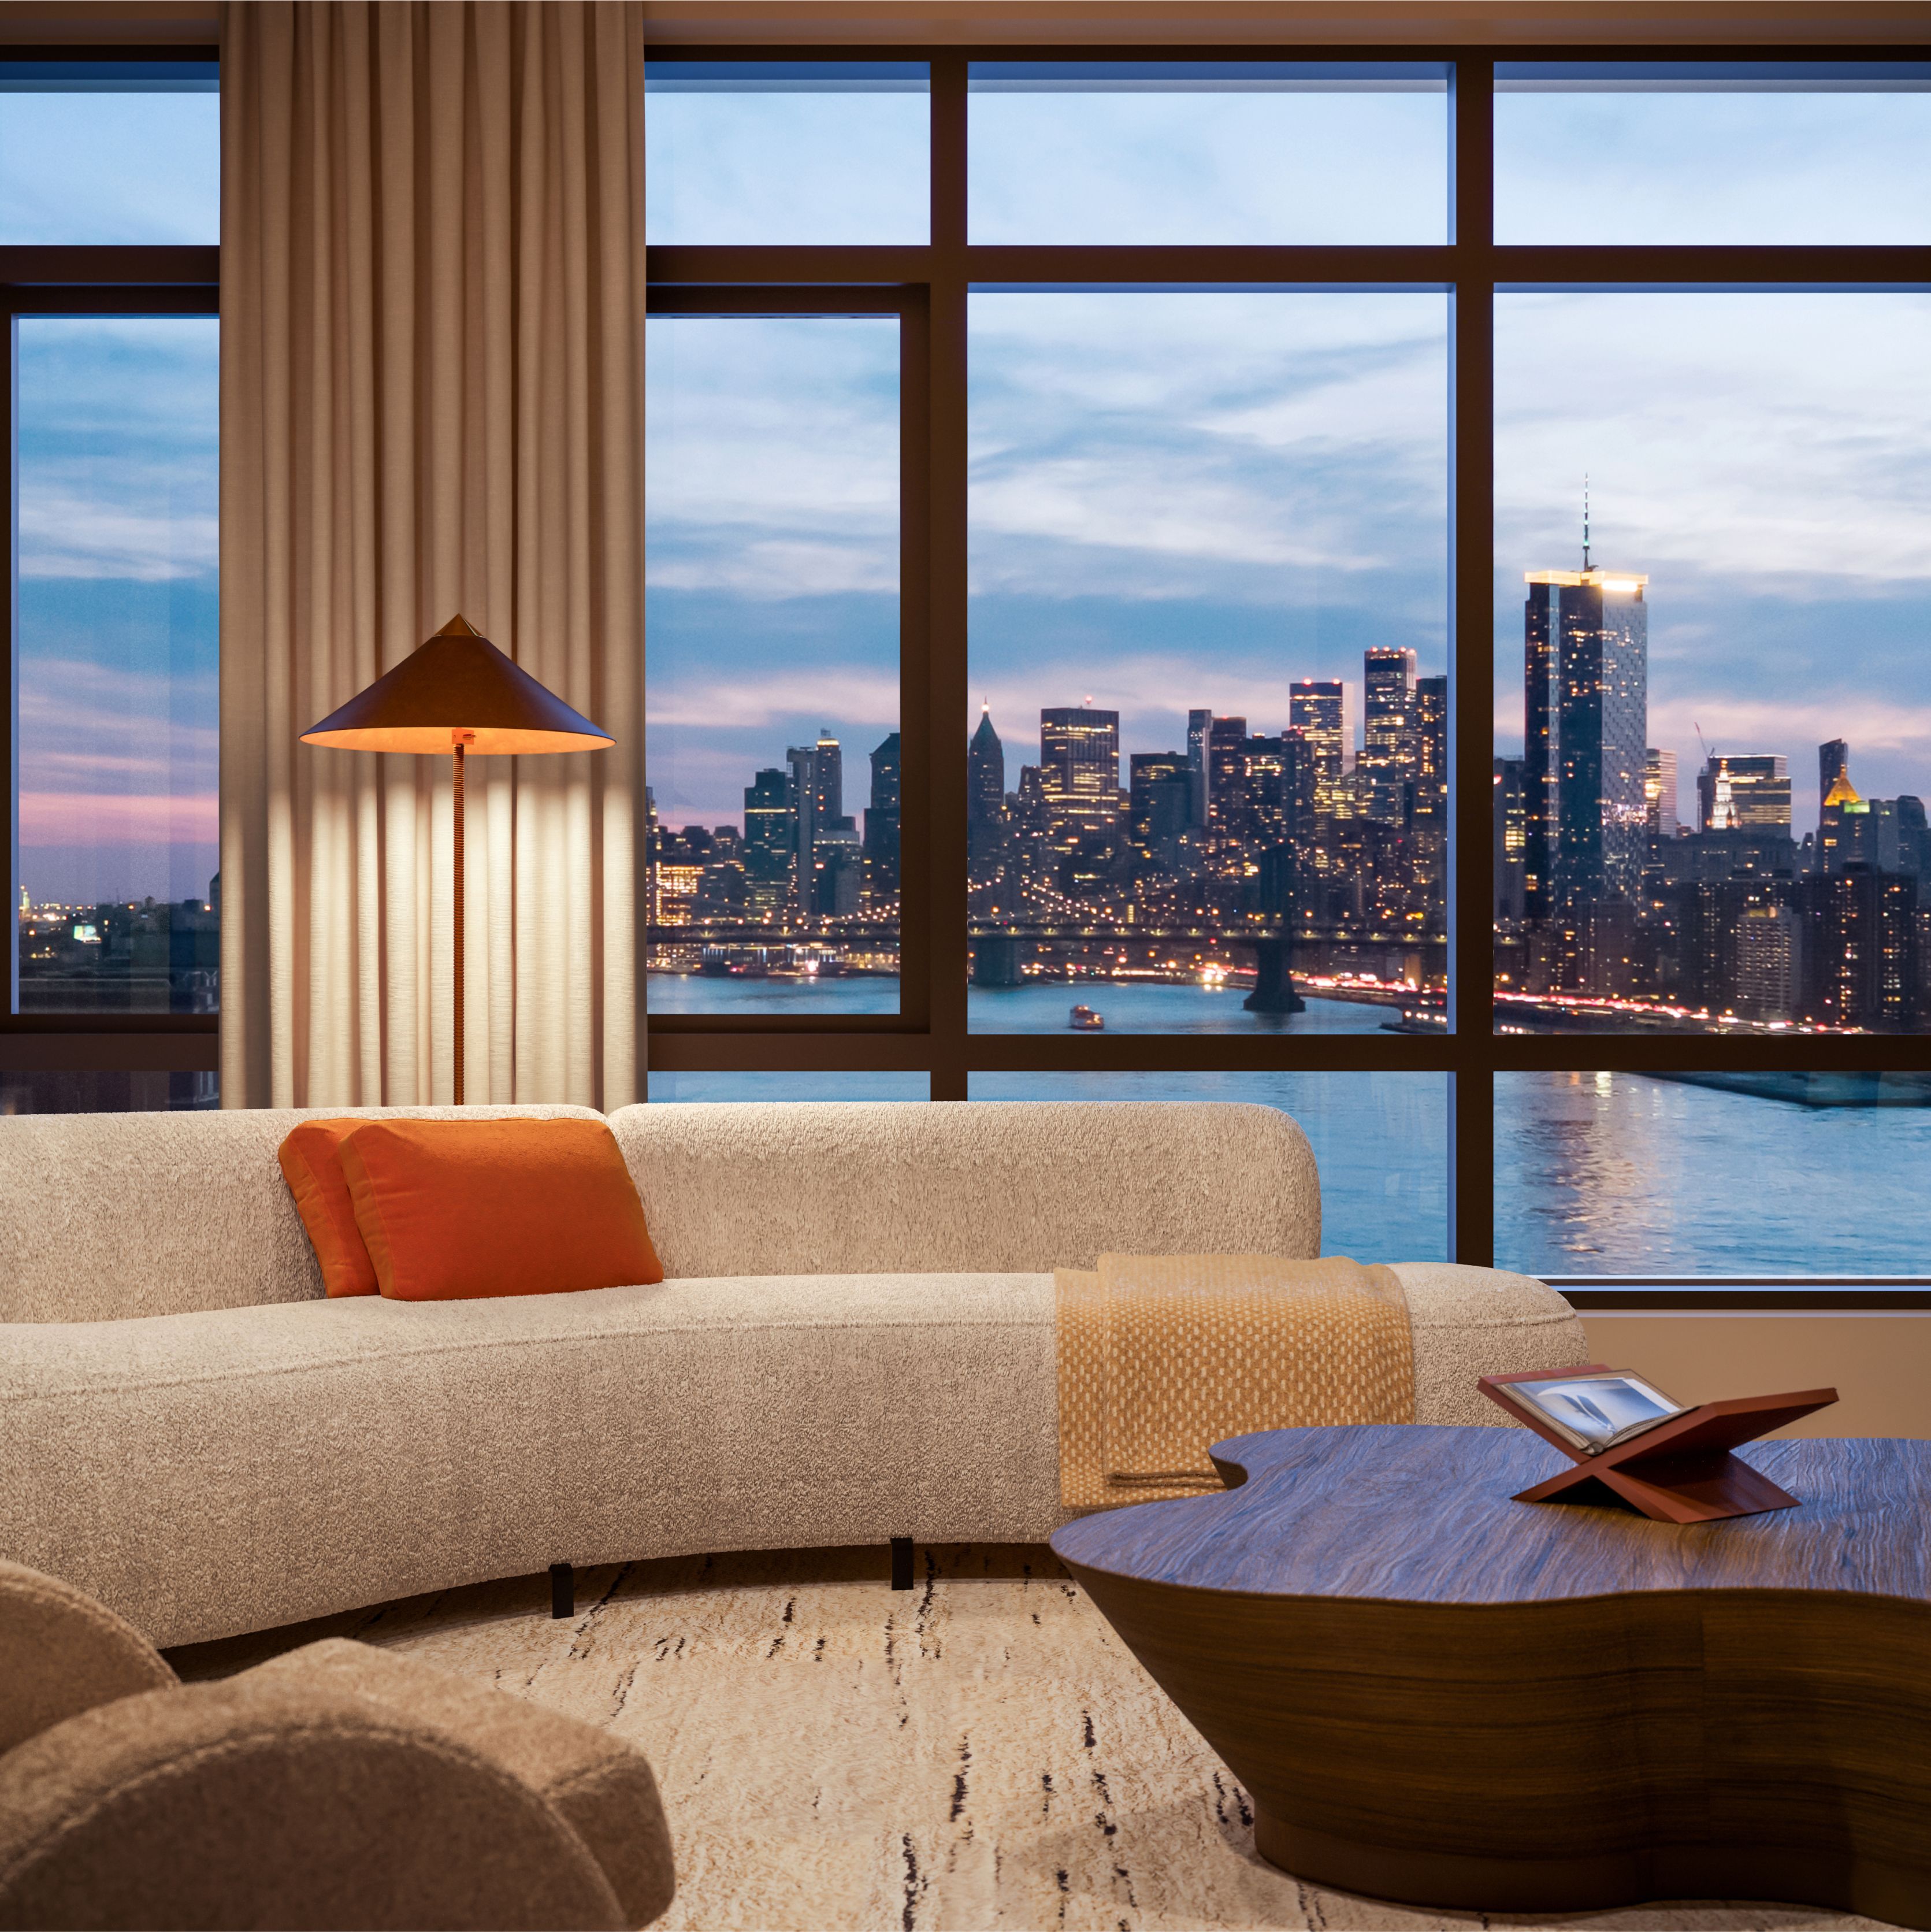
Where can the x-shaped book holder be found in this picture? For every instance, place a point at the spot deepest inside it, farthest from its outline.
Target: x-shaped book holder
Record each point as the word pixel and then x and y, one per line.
pixel 1680 1471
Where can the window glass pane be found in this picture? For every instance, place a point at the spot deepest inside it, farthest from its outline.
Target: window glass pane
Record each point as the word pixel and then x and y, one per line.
pixel 117 908
pixel 1379 1141
pixel 1714 744
pixel 109 151
pixel 811 1086
pixel 1715 1174
pixel 1720 152
pixel 94 1092
pixel 1208 552
pixel 817 151
pixel 1139 151
pixel 772 706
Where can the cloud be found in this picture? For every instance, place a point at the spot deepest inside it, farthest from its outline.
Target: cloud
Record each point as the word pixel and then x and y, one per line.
pixel 64 534
pixel 864 696
pixel 68 818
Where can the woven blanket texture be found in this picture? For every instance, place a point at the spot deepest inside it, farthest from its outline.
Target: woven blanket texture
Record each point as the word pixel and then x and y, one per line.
pixel 1161 1356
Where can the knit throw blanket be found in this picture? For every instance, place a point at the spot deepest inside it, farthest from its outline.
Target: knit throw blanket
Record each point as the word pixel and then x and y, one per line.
pixel 1162 1355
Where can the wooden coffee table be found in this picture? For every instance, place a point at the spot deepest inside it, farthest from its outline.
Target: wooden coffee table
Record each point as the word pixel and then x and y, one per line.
pixel 1435 1694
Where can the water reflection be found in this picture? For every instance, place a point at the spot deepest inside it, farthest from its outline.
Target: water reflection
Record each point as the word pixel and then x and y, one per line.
pixel 1619 1173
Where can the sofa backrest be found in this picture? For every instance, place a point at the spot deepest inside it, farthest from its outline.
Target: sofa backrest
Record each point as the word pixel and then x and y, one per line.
pixel 107 1216
pixel 1003 1187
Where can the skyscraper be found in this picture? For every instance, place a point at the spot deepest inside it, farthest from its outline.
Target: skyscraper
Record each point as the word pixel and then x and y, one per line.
pixel 828 776
pixel 881 824
pixel 985 774
pixel 1834 762
pixel 1322 710
pixel 1227 778
pixel 1387 750
pixel 1659 793
pixel 1159 804
pixel 1430 744
pixel 1745 792
pixel 801 800
pixel 1079 768
pixel 1585 753
pixel 1508 831
pixel 1199 723
pixel 767 820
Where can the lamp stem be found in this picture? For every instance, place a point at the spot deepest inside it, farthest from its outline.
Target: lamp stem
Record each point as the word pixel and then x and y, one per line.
pixel 457 751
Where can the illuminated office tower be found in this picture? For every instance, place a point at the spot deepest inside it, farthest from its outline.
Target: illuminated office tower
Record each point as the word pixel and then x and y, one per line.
pixel 1160 804
pixel 1429 743
pixel 1227 814
pixel 1585 729
pixel 1079 768
pixel 881 824
pixel 1199 724
pixel 1387 749
pixel 1508 830
pixel 1748 792
pixel 767 817
pixel 1841 812
pixel 828 778
pixel 1834 762
pixel 1659 793
pixel 985 774
pixel 801 800
pixel 1322 710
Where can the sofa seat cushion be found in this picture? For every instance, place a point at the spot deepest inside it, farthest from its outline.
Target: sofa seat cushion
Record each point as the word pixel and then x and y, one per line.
pixel 234 1469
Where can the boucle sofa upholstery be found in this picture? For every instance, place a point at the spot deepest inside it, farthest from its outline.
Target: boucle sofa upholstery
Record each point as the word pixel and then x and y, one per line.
pixel 855 1341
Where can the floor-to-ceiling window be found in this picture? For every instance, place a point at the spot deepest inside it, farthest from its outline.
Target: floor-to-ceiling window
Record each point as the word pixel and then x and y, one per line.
pixel 109 228
pixel 1228 434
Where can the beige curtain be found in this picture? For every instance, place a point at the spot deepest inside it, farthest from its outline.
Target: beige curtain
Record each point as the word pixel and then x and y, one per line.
pixel 432 309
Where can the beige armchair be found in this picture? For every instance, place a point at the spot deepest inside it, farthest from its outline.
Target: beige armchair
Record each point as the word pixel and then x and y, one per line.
pixel 338 1786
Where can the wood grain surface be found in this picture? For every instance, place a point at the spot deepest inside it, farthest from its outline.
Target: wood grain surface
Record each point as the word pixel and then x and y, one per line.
pixel 1414 1514
pixel 1436 1694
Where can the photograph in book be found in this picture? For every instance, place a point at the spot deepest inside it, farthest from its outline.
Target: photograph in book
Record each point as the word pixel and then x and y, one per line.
pixel 1597 1410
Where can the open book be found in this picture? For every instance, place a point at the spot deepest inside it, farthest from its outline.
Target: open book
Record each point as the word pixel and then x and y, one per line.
pixel 1596 1408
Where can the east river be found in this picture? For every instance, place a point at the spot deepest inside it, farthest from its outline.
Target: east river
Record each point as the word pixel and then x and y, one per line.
pixel 1595 1173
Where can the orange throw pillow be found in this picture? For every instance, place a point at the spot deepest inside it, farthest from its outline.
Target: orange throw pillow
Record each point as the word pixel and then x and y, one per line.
pixel 311 1159
pixel 454 1210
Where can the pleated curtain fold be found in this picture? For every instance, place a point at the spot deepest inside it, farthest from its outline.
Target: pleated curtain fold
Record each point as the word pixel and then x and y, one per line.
pixel 432 337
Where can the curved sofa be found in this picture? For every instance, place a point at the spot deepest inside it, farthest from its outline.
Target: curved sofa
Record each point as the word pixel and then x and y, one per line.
pixel 854 1341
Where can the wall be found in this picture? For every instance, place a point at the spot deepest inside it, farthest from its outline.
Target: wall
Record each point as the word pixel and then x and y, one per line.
pixel 1879 1363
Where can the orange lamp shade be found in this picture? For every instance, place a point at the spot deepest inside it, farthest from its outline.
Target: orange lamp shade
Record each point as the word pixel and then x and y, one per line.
pixel 457 683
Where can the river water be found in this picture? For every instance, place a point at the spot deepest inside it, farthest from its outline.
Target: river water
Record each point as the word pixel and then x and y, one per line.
pixel 1595 1173
pixel 1615 1174
pixel 1127 1006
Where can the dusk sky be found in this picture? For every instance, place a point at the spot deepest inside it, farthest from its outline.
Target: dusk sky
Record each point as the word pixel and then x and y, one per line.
pixel 1177 499
pixel 116 528
pixel 1183 499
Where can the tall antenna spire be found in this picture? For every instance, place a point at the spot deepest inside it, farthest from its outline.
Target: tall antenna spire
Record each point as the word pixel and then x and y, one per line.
pixel 1585 520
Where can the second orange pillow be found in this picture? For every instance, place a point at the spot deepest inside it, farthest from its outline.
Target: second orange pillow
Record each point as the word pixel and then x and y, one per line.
pixel 459 1210
pixel 311 1163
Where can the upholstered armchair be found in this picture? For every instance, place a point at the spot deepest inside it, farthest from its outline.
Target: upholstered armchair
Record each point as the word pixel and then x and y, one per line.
pixel 337 1786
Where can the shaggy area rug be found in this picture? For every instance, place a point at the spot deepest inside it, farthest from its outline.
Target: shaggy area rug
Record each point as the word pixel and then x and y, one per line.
pixel 980 1754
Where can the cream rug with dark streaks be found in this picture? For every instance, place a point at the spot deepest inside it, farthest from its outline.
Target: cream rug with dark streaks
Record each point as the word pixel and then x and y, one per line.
pixel 980 1754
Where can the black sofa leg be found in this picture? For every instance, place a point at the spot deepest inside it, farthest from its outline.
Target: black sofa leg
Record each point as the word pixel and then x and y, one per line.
pixel 562 1590
pixel 901 1563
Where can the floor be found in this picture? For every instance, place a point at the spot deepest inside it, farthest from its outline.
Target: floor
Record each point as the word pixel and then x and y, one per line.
pixel 980 1754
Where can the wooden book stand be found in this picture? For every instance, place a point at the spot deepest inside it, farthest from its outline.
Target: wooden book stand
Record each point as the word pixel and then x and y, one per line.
pixel 1682 1470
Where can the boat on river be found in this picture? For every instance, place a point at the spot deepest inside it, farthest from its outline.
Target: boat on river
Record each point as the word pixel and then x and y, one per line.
pixel 1083 1019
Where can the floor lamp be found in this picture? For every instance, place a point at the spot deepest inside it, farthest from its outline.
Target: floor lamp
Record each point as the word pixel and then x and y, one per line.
pixel 456 692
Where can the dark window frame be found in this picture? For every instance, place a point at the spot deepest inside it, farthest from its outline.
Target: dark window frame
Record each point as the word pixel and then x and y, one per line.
pixel 930 1034
pixel 139 279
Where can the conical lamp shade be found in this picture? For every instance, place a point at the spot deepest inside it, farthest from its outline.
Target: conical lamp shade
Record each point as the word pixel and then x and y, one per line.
pixel 457 681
